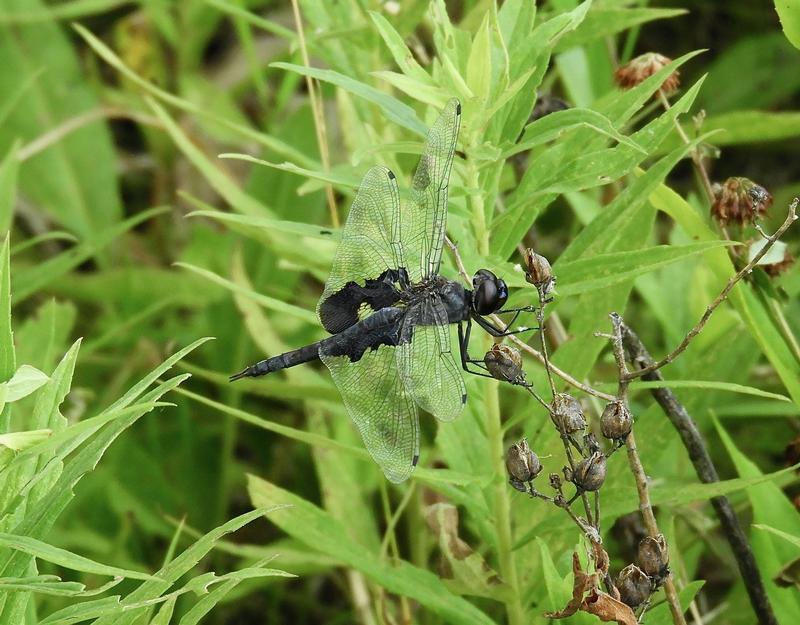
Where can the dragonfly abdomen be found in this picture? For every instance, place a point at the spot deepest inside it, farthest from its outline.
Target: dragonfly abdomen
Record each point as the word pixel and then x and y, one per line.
pixel 282 361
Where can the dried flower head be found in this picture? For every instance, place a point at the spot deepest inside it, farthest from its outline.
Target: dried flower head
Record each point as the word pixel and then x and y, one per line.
pixel 633 585
pixel 539 272
pixel 555 481
pixel 590 472
pixel 616 421
pixel 567 414
pixel 505 363
pixel 522 464
pixel 653 556
pixel 740 200
pixel 637 70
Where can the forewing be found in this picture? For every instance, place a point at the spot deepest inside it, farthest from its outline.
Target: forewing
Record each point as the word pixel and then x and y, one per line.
pixel 370 245
pixel 425 218
pixel 425 361
pixel 381 407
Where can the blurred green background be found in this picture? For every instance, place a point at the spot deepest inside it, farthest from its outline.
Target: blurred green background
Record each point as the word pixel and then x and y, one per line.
pixel 127 230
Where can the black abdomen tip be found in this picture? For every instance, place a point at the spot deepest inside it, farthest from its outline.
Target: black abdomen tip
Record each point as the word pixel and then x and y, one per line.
pixel 415 460
pixel 391 175
pixel 458 108
pixel 463 399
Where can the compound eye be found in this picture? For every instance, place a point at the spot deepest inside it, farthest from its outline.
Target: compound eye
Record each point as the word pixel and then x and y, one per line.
pixel 502 293
pixel 482 275
pixel 486 297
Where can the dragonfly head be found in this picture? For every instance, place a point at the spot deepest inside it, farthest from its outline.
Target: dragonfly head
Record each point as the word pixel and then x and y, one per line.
pixel 489 292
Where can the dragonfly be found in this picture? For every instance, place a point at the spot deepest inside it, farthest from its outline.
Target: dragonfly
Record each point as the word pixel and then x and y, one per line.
pixel 389 311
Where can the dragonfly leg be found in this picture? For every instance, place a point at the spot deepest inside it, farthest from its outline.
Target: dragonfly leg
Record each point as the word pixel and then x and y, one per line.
pixel 463 348
pixel 516 312
pixel 497 332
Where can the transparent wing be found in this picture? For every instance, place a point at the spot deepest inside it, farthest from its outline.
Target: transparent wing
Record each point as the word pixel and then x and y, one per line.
pixel 425 362
pixel 425 218
pixel 381 407
pixel 370 246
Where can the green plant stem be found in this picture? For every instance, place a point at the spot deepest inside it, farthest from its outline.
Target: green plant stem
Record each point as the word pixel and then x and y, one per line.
pixel 502 504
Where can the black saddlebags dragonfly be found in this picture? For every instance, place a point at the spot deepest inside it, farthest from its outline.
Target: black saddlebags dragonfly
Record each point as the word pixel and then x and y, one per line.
pixel 389 310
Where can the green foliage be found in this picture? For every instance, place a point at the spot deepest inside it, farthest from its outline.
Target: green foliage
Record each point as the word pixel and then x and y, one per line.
pixel 161 179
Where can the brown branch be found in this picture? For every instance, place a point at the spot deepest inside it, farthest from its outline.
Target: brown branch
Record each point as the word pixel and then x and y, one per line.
pixel 704 467
pixel 770 241
pixel 635 463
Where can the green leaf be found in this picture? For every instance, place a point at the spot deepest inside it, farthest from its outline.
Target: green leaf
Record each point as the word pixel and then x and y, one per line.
pixel 67 559
pixel 68 10
pixel 603 270
pixel 770 507
pixel 24 382
pixel 393 109
pixel 18 441
pixel 479 65
pixel 74 179
pixel 9 171
pixel 603 22
pixel 222 184
pixel 34 279
pixel 7 355
pixel 789 14
pixel 795 540
pixel 397 47
pixel 316 528
pixel 152 590
pixel 710 384
pixel 552 126
pixel 270 303
pixel 346 182
pixel 743 127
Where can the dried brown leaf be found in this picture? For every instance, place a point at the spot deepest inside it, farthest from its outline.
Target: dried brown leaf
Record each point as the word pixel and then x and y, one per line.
pixel 608 609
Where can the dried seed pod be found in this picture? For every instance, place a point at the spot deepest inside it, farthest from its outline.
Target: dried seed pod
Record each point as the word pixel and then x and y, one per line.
pixel 633 585
pixel 616 421
pixel 567 414
pixel 539 272
pixel 522 464
pixel 505 363
pixel 740 201
pixel 642 67
pixel 653 556
pixel 555 481
pixel 591 443
pixel 590 472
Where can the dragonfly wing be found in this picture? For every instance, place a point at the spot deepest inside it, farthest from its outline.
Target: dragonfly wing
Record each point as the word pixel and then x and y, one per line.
pixel 425 360
pixel 369 257
pixel 378 402
pixel 425 218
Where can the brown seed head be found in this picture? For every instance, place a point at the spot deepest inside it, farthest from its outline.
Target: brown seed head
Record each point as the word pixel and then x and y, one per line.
pixel 590 472
pixel 521 463
pixel 616 421
pixel 539 272
pixel 642 67
pixel 505 363
pixel 653 556
pixel 740 201
pixel 633 585
pixel 567 414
